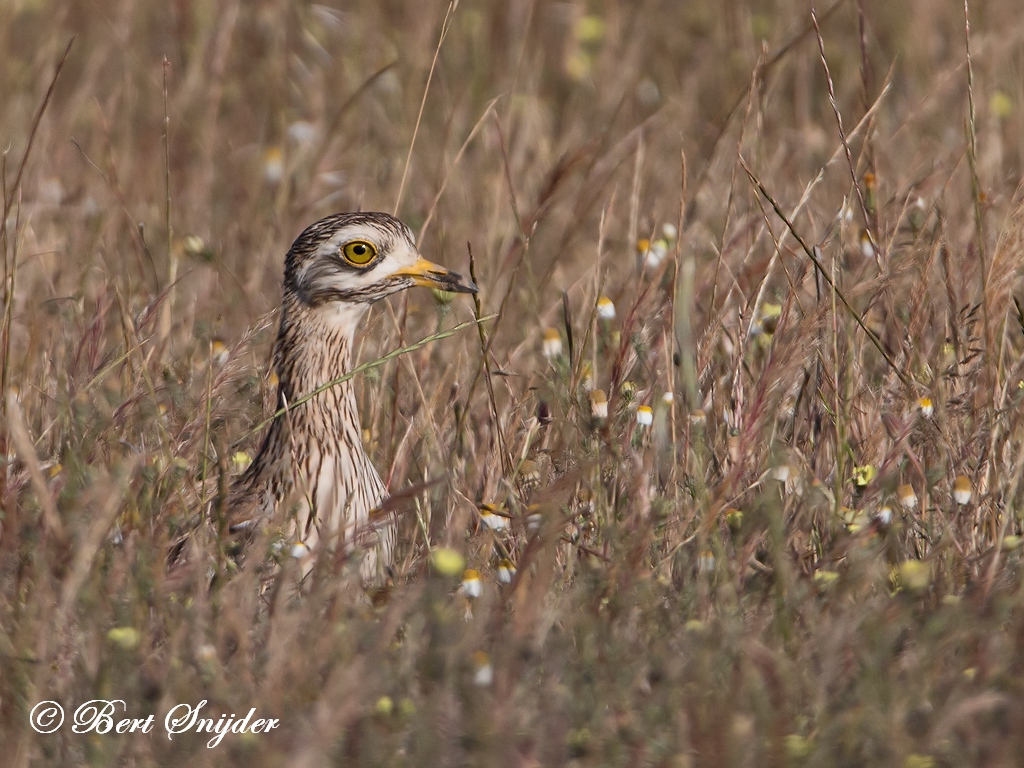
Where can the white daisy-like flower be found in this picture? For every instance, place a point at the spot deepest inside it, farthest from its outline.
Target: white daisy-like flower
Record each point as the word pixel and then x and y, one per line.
pixel 273 165
pixel 219 352
pixel 598 404
pixel 552 344
pixel 533 521
pixel 299 550
pixel 884 515
pixel 926 407
pixel 302 132
pixel 652 254
pixel 605 308
pixel 471 585
pixel 669 231
pixel 908 498
pixel 645 415
pixel 706 561
pixel 506 571
pixel 587 376
pixel 490 518
pixel 962 490
pixel 483 670
pixel 867 248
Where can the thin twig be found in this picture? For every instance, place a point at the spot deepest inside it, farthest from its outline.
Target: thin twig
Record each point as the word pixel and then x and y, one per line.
pixel 364 367
pixel 812 255
pixel 423 103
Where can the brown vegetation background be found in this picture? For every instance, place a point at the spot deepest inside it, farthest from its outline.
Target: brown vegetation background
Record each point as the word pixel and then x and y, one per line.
pixel 724 587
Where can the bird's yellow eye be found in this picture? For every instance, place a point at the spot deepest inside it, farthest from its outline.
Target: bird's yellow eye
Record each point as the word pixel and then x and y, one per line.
pixel 359 252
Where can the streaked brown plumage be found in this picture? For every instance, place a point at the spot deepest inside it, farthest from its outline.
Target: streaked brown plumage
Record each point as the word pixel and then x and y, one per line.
pixel 312 463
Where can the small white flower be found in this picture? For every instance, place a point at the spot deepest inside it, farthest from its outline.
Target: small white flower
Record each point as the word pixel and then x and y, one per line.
pixel 653 254
pixel 781 473
pixel 926 407
pixel 552 344
pixel 669 231
pixel 668 398
pixel 273 165
pixel 587 376
pixel 299 550
pixel 962 490
pixel 706 561
pixel 644 416
pixel 302 132
pixel 908 498
pixel 884 515
pixel 491 520
pixel 605 308
pixel 598 404
pixel 483 674
pixel 867 248
pixel 506 571
pixel 471 586
pixel 533 521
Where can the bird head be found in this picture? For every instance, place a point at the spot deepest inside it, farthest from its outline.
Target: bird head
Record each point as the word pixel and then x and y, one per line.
pixel 359 258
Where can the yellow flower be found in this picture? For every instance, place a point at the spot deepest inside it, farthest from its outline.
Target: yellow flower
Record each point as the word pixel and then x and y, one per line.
pixel 863 476
pixel 914 575
pixel 770 315
pixel 1001 104
pixel 125 637
pixel 797 746
pixel 446 561
pixel 825 578
pixel 241 461
pixel 734 518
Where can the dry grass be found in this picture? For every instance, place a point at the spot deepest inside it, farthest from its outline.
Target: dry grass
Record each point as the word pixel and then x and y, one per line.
pixel 678 603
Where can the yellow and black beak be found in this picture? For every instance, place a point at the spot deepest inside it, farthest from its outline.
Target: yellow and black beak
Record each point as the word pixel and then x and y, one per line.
pixel 431 275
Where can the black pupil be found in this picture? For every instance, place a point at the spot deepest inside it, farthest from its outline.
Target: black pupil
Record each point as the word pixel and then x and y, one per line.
pixel 359 249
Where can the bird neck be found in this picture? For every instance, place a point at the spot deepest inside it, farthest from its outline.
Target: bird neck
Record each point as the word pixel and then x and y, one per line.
pixel 314 348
